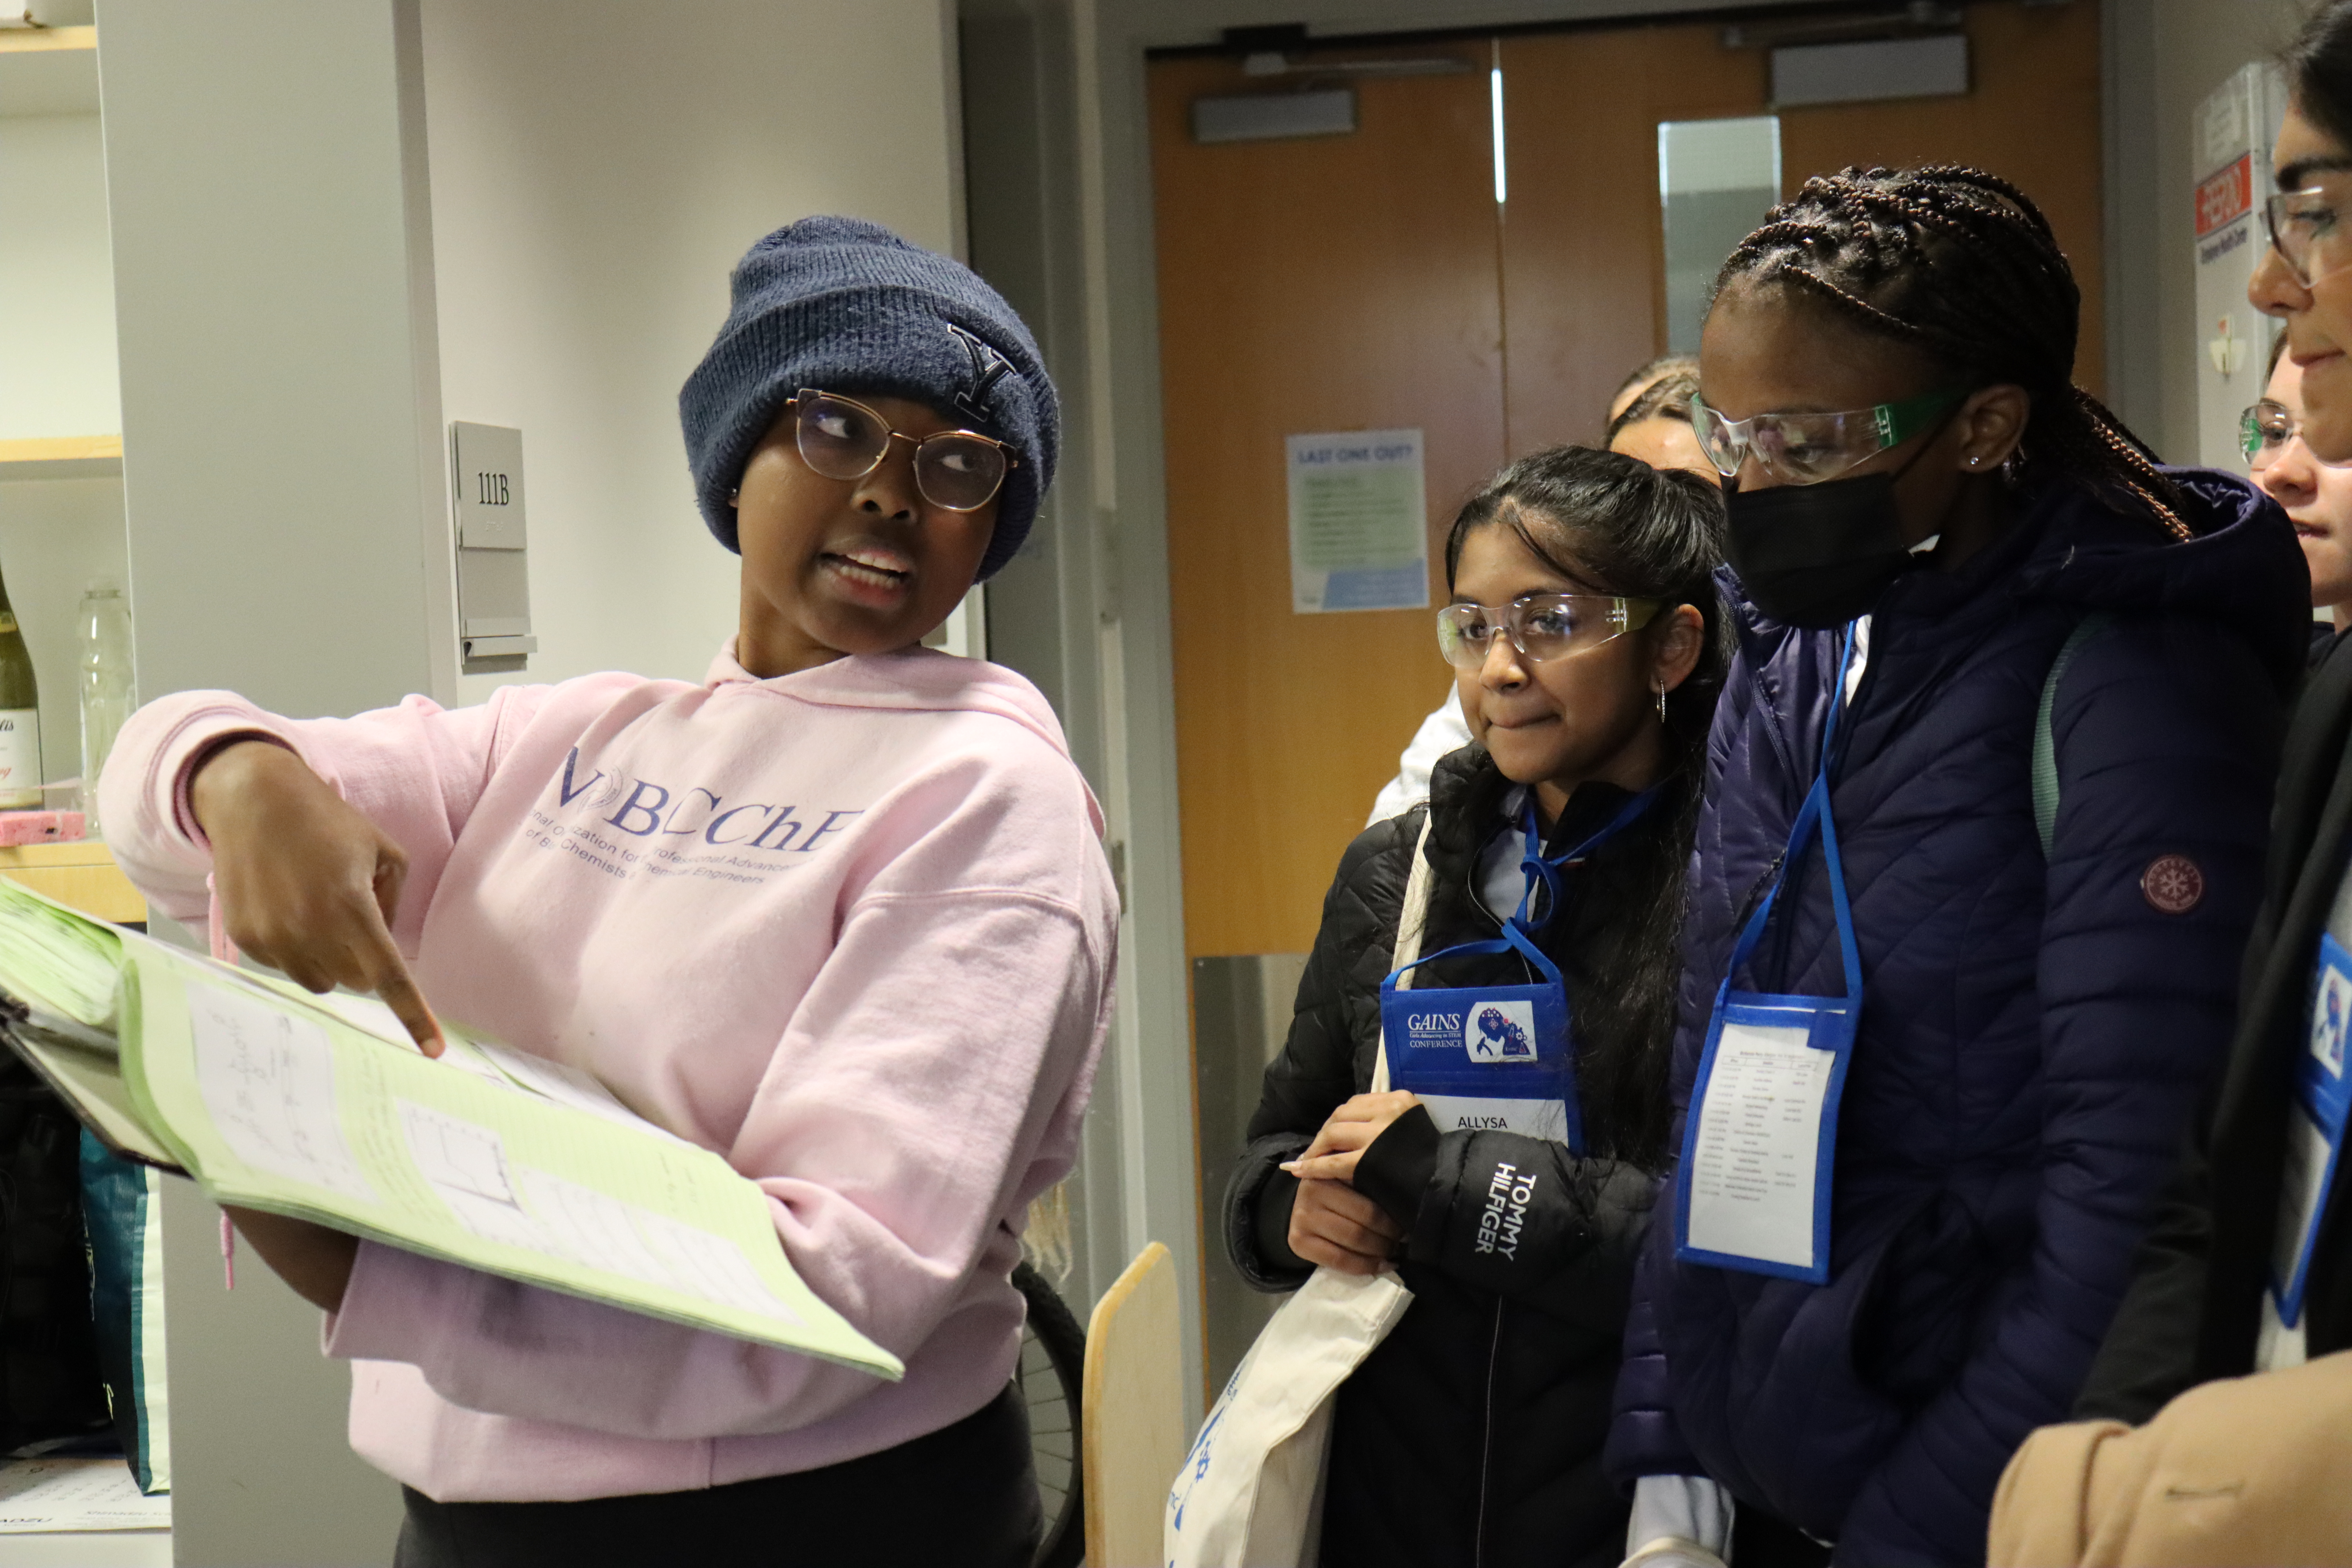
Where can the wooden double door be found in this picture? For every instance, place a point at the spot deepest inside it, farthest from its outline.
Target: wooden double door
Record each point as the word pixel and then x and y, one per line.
pixel 1372 281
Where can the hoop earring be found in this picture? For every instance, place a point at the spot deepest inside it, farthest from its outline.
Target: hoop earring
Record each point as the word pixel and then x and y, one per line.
pixel 1662 700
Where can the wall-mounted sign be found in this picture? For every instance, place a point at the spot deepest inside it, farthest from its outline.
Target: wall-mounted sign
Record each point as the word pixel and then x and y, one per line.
pixel 2233 130
pixel 1359 522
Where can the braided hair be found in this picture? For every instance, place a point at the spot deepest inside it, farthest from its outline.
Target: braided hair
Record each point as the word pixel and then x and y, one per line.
pixel 1961 266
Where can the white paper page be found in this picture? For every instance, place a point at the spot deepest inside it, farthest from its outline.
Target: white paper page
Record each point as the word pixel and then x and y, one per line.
pixel 569 1086
pixel 268 1080
pixel 76 1495
pixel 517 1069
pixel 369 1013
pixel 1753 1162
pixel 595 1228
pixel 455 1154
pixel 715 1269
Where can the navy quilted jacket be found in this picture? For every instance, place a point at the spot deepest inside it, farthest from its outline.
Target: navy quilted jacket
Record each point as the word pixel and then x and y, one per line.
pixel 2034 1034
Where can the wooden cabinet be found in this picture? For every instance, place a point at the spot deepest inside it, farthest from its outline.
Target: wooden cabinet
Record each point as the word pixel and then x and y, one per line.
pixel 82 875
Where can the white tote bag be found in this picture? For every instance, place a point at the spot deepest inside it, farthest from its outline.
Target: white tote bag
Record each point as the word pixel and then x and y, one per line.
pixel 1251 1492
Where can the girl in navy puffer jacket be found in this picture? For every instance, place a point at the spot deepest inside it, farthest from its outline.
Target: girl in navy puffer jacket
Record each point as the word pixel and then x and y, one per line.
pixel 1944 552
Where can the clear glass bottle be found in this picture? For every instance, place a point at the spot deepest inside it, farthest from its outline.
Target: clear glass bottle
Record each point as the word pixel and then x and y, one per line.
pixel 20 716
pixel 106 696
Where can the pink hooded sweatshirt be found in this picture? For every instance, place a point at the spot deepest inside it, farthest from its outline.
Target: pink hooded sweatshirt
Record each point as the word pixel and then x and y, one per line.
pixel 852 928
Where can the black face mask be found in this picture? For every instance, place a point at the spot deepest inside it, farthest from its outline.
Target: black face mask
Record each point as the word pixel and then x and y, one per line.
pixel 1817 555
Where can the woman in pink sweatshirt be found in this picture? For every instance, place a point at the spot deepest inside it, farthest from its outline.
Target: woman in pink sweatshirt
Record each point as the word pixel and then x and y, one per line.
pixel 839 912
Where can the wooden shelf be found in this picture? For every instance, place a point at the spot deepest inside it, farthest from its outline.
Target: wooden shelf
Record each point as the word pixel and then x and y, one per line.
pixel 61 457
pixel 45 40
pixel 82 874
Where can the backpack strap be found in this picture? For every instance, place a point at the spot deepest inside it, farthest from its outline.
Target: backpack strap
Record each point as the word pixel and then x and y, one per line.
pixel 2045 745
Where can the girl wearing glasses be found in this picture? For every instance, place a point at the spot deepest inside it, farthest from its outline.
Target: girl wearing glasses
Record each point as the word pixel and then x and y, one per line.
pixel 836 911
pixel 2246 1270
pixel 1509 1170
pixel 1987 802
pixel 2317 496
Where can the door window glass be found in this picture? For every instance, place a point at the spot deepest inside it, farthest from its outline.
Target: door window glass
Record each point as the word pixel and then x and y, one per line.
pixel 1717 179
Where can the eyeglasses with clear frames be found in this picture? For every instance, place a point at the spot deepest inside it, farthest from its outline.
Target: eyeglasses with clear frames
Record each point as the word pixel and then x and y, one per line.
pixel 840 438
pixel 2307 232
pixel 1541 626
pixel 2263 432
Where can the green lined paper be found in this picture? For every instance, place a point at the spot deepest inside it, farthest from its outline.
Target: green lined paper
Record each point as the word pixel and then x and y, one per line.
pixel 277 1101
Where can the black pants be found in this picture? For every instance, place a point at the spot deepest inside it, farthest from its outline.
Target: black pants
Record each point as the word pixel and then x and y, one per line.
pixel 964 1495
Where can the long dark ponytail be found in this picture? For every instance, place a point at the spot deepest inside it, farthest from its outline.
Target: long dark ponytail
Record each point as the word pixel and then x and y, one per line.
pixel 1961 266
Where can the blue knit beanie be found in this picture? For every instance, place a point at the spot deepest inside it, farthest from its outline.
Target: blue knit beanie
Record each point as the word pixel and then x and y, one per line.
pixel 842 305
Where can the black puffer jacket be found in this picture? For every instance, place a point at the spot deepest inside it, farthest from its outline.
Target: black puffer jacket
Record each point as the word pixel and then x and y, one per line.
pixel 1473 1436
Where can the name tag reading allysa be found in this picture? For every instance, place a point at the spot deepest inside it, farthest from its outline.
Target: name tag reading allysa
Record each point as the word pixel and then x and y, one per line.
pixel 1498 1058
pixel 1485 1060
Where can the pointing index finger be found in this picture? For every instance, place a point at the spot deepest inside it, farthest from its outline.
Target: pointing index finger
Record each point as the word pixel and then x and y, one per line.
pixel 397 990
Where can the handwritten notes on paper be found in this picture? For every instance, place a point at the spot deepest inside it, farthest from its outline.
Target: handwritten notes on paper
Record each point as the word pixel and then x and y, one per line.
pixel 269 1079
pixel 1753 1163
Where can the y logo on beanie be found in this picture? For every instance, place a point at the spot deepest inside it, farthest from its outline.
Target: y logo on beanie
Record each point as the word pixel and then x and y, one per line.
pixel 988 368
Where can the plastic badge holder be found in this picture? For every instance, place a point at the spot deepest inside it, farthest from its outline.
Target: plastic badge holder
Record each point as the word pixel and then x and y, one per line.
pixel 1487 1058
pixel 2315 1124
pixel 1789 1063
pixel 1499 1058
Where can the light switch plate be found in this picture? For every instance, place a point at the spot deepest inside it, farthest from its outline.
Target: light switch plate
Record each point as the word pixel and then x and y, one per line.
pixel 489 483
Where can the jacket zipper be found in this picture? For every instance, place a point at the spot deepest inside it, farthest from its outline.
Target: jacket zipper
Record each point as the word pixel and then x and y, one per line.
pixel 1487 1442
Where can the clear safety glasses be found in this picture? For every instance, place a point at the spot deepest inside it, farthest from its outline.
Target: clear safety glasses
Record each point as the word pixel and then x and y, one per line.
pixel 840 438
pixel 1541 626
pixel 1808 448
pixel 2304 230
pixel 2263 432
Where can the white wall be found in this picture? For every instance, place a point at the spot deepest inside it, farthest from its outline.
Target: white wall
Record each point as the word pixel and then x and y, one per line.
pixel 56 355
pixel 595 178
pixel 2198 44
pixel 57 378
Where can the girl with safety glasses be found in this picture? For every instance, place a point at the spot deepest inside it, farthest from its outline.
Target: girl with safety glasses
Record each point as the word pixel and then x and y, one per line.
pixel 2246 1268
pixel 1986 809
pixel 1474 1085
pixel 2316 496
pixel 837 911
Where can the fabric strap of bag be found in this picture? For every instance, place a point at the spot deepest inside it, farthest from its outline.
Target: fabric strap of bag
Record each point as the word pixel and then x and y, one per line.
pixel 2045 744
pixel 1412 920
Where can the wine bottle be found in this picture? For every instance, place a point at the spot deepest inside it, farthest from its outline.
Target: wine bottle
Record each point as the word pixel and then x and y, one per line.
pixel 106 698
pixel 20 716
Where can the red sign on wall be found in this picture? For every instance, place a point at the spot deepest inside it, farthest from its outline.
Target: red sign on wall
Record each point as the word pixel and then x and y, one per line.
pixel 2226 196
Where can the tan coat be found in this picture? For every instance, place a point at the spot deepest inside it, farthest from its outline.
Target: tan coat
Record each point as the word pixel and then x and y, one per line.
pixel 2247 1472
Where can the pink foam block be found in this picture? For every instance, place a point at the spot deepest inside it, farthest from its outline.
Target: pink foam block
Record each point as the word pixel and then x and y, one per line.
pixel 40 827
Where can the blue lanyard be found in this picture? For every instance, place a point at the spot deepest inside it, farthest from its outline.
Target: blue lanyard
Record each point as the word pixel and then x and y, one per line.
pixel 1541 873
pixel 1815 813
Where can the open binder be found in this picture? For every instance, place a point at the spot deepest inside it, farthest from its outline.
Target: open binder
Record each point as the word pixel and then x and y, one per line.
pixel 320 1108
